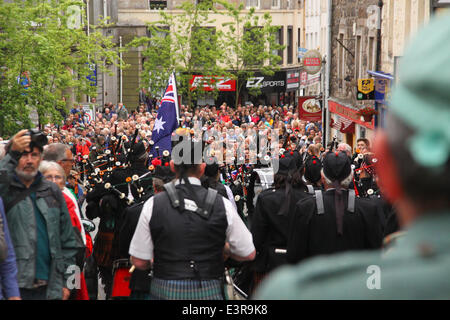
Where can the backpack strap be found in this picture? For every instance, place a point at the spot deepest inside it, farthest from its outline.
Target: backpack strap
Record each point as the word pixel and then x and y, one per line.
pixel 351 200
pixel 320 206
pixel 25 193
pixel 209 202
pixel 310 189
pixel 173 195
pixel 319 202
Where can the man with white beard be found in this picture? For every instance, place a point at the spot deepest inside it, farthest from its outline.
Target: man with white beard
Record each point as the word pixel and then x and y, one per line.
pixel 39 221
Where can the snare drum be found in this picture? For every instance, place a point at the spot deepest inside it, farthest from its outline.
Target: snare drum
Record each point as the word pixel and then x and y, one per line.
pixel 121 278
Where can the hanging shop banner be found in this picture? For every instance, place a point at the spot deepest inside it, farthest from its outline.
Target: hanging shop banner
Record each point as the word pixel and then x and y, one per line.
pixel 275 83
pixel 92 76
pixel 343 125
pixel 292 80
pixel 301 52
pixel 366 89
pixel 211 83
pixel 303 79
pixel 348 113
pixel 312 61
pixel 309 109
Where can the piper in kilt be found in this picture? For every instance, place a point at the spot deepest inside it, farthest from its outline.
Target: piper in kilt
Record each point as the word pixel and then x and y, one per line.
pixel 186 230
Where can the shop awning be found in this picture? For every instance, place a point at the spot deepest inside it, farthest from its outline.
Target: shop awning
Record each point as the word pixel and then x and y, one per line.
pixel 343 125
pixel 379 74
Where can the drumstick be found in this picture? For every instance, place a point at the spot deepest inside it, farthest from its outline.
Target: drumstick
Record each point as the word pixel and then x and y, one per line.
pixel 132 269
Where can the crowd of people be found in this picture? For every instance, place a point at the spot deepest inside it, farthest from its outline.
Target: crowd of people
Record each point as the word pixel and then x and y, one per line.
pixel 179 225
pixel 69 144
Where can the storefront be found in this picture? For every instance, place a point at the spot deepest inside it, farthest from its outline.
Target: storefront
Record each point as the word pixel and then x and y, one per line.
pixel 272 89
pixel 225 86
pixel 347 126
pixel 278 89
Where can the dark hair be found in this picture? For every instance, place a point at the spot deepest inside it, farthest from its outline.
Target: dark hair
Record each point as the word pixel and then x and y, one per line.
pixel 366 141
pixel 428 188
pixel 279 180
pixel 209 181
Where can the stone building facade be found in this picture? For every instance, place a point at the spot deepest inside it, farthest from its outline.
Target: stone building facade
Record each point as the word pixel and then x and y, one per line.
pixel 354 42
pixel 131 16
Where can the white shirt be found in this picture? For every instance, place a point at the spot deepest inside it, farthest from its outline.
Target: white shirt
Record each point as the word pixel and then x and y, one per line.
pixel 237 235
pixel 230 196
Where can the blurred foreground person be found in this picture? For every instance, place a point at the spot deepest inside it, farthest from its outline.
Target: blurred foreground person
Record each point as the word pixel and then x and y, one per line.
pixel 38 220
pixel 414 171
pixel 8 268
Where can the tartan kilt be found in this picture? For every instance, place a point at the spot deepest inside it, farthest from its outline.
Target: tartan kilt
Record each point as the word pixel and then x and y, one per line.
pixel 103 249
pixel 161 289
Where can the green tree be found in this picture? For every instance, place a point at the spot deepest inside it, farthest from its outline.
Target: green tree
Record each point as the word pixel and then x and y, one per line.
pixel 250 42
pixel 185 43
pixel 41 55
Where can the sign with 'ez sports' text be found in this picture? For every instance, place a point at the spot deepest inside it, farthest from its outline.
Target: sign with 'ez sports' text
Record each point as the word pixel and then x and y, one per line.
pixel 274 83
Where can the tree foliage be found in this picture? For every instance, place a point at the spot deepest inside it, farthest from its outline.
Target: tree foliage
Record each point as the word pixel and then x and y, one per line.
pixel 185 42
pixel 41 55
pixel 181 42
pixel 250 41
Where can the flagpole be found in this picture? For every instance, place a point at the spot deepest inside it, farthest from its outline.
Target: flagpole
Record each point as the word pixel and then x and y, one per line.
pixel 177 107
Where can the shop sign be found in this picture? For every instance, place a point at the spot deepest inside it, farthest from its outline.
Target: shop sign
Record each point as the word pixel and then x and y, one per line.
pixel 312 61
pixel 366 89
pixel 211 83
pixel 292 80
pixel 275 83
pixel 309 109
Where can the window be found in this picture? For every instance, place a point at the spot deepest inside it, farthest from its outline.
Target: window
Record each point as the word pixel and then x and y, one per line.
pixel 203 38
pixel 255 44
pixel 252 4
pixel 288 4
pixel 275 4
pixel 281 42
pixel 158 4
pixel 299 32
pixel 278 40
pixel 162 33
pixel 290 45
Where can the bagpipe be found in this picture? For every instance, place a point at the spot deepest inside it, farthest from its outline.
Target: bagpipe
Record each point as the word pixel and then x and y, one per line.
pixel 364 177
pixel 98 174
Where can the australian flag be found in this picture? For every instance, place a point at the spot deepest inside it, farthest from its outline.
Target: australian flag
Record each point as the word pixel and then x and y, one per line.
pixel 166 120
